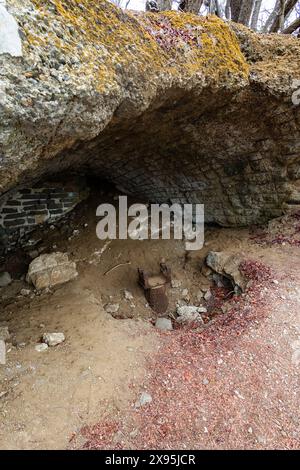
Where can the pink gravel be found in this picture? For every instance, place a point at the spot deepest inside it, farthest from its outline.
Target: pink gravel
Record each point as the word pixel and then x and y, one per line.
pixel 233 385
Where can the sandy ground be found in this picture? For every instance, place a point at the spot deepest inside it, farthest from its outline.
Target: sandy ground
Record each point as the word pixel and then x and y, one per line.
pixel 234 384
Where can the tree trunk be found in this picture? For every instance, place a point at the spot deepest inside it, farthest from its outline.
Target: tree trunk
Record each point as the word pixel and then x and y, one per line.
pixel 289 6
pixel 236 6
pixel 164 5
pixel 282 15
pixel 193 6
pixel 292 27
pixel 228 9
pixel 255 16
pixel 246 12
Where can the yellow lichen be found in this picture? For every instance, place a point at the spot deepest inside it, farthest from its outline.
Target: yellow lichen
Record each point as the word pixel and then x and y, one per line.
pixel 103 38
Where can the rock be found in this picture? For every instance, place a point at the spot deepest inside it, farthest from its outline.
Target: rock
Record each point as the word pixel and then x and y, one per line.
pixel 2 353
pixel 185 294
pixel 53 339
pixel 112 308
pixel 227 265
pixel 207 295
pixel 175 284
pixel 200 295
pixel 50 270
pixel 188 314
pixel 206 271
pixel 25 292
pixel 128 295
pixel 33 254
pixel 164 324
pixel 5 279
pixel 4 333
pixel 234 177
pixel 41 347
pixel 145 399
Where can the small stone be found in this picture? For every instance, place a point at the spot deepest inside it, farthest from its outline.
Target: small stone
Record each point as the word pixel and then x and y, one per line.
pixel 53 339
pixel 112 308
pixel 175 284
pixel 275 282
pixel 200 295
pixel 188 314
pixel 205 381
pixel 33 254
pixel 25 292
pixel 206 271
pixel 128 295
pixel 4 333
pixel 185 294
pixel 208 296
pixel 164 324
pixel 2 353
pixel 5 279
pixel 41 347
pixel 144 399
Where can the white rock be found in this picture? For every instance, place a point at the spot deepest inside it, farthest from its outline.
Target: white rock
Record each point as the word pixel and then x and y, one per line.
pixel 41 347
pixel 4 333
pixel 164 324
pixel 53 339
pixel 144 399
pixel 10 41
pixel 128 295
pixel 50 270
pixel 2 353
pixel 175 284
pixel 25 292
pixel 5 279
pixel 208 296
pixel 112 308
pixel 187 314
pixel 185 294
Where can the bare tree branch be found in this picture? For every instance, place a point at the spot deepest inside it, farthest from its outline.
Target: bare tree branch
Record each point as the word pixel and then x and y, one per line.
pixel 292 27
pixel 255 15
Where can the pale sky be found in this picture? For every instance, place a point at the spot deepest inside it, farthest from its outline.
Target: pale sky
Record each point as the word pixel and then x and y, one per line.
pixel 140 4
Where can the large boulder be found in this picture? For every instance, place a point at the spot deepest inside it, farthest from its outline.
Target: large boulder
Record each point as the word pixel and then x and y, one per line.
pixel 168 107
pixel 50 270
pixel 228 266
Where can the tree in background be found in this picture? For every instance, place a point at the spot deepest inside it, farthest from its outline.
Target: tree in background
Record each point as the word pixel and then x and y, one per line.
pixel 283 17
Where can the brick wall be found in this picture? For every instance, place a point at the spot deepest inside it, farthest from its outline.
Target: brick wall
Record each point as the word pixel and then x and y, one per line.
pixel 23 210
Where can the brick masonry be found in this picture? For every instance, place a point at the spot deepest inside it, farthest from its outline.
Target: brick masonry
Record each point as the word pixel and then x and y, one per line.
pixel 23 210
